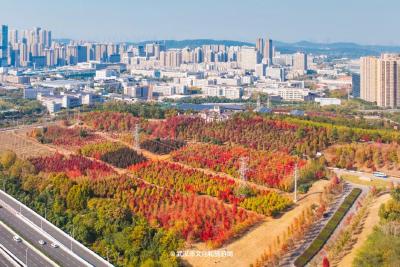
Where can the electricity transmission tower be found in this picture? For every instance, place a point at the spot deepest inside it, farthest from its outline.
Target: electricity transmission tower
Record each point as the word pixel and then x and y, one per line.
pixel 295 182
pixel 137 136
pixel 243 168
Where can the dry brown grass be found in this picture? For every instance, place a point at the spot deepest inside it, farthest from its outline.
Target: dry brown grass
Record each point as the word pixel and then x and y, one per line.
pixel 24 146
pixel 252 245
pixel 371 220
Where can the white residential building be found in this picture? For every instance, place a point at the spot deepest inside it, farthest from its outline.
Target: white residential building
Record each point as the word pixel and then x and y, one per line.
pixel 328 101
pixel 248 58
pixel 71 101
pixel 300 62
pixel 137 91
pixel 288 93
pixel 275 73
pixel 32 93
pixel 231 92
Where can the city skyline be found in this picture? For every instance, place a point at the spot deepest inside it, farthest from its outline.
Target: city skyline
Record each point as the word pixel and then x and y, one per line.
pixel 287 22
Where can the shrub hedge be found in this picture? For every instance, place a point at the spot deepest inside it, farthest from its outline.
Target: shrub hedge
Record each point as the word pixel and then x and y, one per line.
pixel 329 228
pixel 123 157
pixel 162 146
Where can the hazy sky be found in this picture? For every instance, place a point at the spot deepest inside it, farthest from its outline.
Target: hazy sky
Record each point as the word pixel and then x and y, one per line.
pixel 362 21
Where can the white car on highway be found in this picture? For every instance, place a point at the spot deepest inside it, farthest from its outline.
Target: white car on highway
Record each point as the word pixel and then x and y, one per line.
pixel 54 245
pixel 42 243
pixel 380 174
pixel 17 238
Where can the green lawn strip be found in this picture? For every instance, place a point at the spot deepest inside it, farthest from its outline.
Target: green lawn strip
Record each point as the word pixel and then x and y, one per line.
pixel 329 228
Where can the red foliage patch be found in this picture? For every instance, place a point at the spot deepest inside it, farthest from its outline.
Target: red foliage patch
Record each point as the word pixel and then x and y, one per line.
pixel 196 218
pixel 70 138
pixel 255 132
pixel 273 169
pixel 110 121
pixel 74 166
pixel 176 178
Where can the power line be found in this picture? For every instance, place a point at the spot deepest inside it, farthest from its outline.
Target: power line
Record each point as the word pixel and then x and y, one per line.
pixel 295 182
pixel 243 168
pixel 137 136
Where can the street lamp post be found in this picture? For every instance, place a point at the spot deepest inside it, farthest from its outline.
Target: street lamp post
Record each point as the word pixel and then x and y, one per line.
pixel 295 183
pixel 41 220
pixel 72 235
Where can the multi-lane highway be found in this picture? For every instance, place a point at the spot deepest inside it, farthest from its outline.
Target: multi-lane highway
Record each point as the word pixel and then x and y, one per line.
pixel 70 253
pixel 21 251
pixel 32 236
pixel 368 175
pixel 29 225
pixel 4 262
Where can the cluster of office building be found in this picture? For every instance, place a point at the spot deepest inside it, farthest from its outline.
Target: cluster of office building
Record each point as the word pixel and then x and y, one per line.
pixel 66 75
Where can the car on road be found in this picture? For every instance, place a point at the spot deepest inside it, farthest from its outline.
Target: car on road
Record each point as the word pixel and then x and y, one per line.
pixel 42 242
pixel 380 174
pixel 54 245
pixel 17 238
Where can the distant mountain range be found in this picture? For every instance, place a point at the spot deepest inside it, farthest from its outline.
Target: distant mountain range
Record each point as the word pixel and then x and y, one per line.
pixel 197 43
pixel 339 49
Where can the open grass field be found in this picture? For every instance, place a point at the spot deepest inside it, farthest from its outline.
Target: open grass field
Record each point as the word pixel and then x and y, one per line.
pixel 22 145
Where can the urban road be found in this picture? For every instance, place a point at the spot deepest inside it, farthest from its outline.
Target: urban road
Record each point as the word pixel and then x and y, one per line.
pixel 369 175
pixel 289 259
pixel 17 216
pixel 4 262
pixel 29 234
pixel 316 228
pixel 20 250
